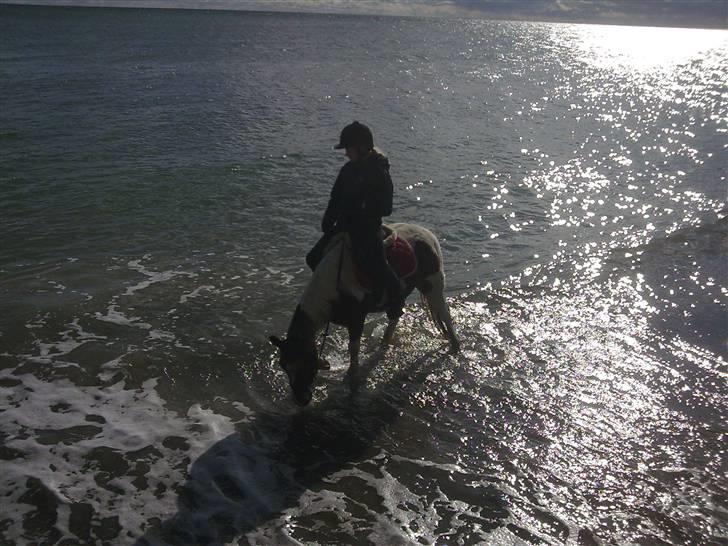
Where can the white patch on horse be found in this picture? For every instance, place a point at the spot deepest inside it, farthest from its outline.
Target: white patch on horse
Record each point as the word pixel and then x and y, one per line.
pixel 333 275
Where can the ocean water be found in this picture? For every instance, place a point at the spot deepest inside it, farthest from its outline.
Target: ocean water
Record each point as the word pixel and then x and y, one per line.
pixel 162 175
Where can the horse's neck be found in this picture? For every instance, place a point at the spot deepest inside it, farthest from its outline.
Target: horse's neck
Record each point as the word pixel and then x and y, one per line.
pixel 302 330
pixel 323 291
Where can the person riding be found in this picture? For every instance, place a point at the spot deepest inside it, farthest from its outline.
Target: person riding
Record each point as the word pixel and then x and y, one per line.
pixel 361 196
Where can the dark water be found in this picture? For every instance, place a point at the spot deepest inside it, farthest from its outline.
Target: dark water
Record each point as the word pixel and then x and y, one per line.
pixel 162 174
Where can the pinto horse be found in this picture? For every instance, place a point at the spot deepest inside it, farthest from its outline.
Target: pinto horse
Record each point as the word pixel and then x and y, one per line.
pixel 338 294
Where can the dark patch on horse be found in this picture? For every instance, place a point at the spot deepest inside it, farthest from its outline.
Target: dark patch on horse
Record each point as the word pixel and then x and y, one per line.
pixel 428 263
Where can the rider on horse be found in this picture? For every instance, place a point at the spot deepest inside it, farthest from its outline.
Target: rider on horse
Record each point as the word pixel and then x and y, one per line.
pixel 361 195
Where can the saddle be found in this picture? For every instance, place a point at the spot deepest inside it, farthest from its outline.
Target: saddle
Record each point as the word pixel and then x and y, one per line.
pixel 400 256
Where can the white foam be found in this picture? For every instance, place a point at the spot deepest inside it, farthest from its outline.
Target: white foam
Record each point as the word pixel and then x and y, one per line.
pixel 153 276
pixel 70 340
pixel 134 419
pixel 196 292
pixel 161 335
pixel 114 316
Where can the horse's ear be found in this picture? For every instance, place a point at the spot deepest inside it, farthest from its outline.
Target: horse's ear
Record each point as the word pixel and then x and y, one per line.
pixel 275 340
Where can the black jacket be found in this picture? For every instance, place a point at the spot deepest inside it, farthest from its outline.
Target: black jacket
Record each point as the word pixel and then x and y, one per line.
pixel 361 195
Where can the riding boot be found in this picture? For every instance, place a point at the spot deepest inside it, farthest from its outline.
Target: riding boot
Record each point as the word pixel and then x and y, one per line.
pixel 372 258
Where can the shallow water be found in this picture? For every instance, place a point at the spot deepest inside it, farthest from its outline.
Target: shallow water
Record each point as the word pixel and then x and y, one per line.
pixel 162 175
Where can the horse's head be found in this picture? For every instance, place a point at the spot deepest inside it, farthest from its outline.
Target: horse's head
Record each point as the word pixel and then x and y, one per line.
pixel 300 364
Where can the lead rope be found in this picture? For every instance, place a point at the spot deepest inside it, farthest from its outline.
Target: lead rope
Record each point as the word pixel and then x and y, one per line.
pixel 338 280
pixel 323 340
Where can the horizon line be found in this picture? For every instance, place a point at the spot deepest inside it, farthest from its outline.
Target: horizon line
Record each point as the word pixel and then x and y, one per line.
pixel 121 4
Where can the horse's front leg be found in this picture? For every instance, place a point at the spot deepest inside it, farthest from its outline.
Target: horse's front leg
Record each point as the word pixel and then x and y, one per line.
pixel 356 328
pixel 389 332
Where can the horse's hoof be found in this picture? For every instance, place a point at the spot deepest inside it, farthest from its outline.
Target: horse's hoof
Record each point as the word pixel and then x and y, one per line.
pixel 323 364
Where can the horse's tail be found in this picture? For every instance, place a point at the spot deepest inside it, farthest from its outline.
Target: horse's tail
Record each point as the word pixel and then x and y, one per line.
pixel 433 300
pixel 434 317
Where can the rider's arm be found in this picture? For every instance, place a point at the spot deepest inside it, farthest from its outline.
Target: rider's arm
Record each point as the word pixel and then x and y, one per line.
pixel 387 194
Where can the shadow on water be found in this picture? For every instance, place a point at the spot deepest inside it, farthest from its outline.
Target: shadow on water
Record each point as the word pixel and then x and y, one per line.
pixel 682 269
pixel 255 474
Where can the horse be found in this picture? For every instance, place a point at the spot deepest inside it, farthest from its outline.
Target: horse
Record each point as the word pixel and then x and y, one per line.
pixel 337 293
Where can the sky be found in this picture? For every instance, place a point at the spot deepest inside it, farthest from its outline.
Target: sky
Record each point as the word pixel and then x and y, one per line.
pixel 684 13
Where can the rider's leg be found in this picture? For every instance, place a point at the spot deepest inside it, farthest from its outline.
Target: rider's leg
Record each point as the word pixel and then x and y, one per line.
pixel 374 262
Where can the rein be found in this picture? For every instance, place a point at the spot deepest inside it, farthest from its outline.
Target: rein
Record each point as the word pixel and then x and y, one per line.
pixel 338 281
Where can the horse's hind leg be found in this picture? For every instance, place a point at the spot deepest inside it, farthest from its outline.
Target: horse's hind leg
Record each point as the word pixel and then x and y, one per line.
pixel 433 292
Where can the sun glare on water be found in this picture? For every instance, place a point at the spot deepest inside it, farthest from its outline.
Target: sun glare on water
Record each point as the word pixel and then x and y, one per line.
pixel 644 48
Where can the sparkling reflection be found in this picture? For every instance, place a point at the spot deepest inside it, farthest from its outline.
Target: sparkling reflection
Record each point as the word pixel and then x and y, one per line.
pixel 584 194
pixel 641 48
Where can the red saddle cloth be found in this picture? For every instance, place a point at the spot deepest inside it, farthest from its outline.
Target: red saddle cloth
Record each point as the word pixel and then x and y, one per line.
pixel 401 258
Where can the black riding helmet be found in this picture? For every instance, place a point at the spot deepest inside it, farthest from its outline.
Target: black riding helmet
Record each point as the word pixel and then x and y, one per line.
pixel 355 134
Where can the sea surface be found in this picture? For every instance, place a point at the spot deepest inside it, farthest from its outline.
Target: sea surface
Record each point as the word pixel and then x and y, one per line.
pixel 162 175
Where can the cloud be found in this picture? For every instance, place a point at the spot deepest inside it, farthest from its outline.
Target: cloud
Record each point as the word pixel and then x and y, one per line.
pixel 711 13
pixel 695 13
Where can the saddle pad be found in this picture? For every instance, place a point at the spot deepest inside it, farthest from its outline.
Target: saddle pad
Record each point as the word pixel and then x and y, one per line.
pixel 401 257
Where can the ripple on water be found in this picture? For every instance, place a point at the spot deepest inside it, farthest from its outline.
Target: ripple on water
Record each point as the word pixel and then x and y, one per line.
pixel 583 192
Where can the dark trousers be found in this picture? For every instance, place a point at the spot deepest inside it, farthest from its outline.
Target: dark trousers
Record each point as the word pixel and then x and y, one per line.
pixel 369 254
